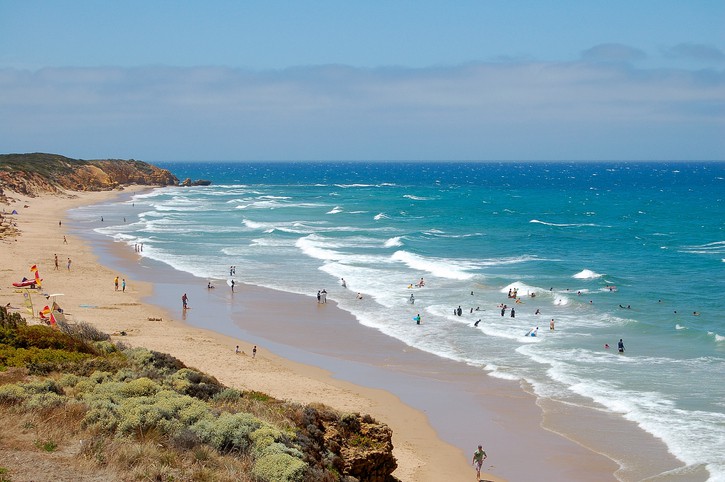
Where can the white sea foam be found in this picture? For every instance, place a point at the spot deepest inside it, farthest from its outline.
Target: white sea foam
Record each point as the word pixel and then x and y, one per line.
pixel 564 225
pixel 417 198
pixel 393 242
pixel 335 210
pixel 680 327
pixel 443 268
pixel 380 216
pixel 587 274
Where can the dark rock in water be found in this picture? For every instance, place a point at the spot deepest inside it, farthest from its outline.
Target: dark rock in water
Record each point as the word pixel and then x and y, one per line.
pixel 200 182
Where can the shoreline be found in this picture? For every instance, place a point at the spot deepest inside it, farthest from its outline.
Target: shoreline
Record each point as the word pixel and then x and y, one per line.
pixel 88 295
pixel 453 396
pixel 427 401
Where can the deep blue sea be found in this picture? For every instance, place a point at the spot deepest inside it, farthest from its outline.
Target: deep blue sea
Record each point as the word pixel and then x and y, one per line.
pixel 610 251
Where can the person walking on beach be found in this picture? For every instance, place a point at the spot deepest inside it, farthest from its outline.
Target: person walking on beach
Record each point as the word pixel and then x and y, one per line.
pixel 57 267
pixel 319 296
pixel 478 457
pixel 115 283
pixel 254 352
pixel 123 285
pixel 69 261
pixel 184 301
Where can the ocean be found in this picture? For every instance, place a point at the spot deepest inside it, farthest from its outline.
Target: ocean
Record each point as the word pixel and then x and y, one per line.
pixel 609 251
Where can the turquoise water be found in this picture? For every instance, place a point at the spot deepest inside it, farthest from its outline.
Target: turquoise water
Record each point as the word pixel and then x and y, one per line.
pixel 610 251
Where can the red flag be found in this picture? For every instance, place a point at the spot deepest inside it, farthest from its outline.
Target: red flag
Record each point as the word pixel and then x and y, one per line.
pixel 34 268
pixel 52 320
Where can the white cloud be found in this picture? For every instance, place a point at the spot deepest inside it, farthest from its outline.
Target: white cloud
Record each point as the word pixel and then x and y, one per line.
pixel 524 110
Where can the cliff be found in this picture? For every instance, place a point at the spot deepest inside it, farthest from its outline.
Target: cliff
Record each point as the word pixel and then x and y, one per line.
pixel 38 173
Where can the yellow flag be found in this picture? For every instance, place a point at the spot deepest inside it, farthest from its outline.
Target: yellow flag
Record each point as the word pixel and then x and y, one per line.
pixel 28 302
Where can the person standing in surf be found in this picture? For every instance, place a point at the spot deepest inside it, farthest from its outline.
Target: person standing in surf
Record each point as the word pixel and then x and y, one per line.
pixel 620 346
pixel 184 301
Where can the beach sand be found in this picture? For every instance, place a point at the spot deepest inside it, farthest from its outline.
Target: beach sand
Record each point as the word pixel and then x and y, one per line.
pixel 410 391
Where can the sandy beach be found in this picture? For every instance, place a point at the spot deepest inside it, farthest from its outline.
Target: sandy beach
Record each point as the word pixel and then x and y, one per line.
pixel 428 402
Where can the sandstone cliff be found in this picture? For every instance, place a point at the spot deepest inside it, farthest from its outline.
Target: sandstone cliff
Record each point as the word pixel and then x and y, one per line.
pixel 37 173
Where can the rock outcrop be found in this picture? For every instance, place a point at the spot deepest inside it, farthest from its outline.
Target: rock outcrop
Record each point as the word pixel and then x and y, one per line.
pixel 32 174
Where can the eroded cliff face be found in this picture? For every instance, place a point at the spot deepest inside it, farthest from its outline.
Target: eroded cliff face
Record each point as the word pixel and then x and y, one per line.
pixel 33 174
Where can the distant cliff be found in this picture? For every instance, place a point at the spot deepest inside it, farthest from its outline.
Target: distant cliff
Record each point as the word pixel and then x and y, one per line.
pixel 38 173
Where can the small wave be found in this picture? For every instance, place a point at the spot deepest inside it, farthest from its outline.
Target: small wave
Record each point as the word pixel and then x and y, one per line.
pixel 587 274
pixel 417 198
pixel 718 247
pixel 443 268
pixel 718 338
pixel 380 216
pixel 680 327
pixel 346 186
pixel 335 210
pixel 563 225
pixel 393 242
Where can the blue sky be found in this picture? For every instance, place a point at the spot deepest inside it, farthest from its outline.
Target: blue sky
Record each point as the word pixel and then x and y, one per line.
pixel 425 80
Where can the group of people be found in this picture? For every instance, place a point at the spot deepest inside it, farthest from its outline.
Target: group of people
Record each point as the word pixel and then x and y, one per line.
pixel 57 263
pixel 123 284
pixel 322 296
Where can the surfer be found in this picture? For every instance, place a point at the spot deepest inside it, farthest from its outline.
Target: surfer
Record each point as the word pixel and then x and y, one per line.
pixel 417 319
pixel 476 323
pixel 342 281
pixel 620 346
pixel 513 312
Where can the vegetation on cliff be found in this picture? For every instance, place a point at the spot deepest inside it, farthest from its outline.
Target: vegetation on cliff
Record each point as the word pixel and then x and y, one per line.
pixel 135 414
pixel 36 173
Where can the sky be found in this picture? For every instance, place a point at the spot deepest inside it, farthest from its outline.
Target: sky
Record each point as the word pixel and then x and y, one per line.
pixel 489 80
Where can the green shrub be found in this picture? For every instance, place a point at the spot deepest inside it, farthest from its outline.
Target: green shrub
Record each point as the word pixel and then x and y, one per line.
pixel 138 388
pixel 193 383
pixel 39 361
pixel 40 336
pixel 228 432
pixel 10 320
pixel 280 468
pixel 228 395
pixel 68 380
pixel 44 401
pixel 12 394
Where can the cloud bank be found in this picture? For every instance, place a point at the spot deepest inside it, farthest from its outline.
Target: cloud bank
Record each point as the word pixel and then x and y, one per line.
pixel 598 108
